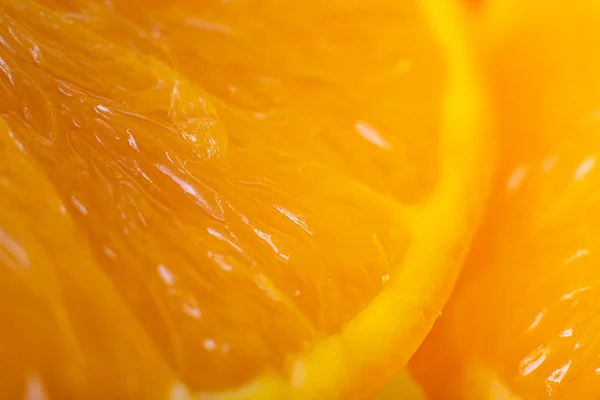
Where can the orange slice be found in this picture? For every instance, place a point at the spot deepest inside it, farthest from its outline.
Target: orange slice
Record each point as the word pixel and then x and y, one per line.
pixel 253 208
pixel 523 322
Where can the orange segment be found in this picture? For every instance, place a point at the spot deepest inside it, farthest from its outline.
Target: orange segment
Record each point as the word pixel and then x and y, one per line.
pixel 524 320
pixel 56 300
pixel 258 201
pixel 331 90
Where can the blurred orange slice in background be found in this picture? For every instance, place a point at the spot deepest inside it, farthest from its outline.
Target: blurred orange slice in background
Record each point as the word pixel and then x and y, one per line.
pixel 524 320
pixel 236 199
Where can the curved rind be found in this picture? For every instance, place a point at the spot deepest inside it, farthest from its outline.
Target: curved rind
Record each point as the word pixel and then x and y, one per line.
pixel 380 340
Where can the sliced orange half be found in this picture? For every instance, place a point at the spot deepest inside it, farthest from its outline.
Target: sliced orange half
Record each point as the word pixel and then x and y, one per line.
pixel 260 201
pixel 523 322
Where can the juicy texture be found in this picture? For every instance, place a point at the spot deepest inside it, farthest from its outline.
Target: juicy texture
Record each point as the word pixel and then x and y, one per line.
pixel 239 200
pixel 332 89
pixel 526 309
pixel 58 302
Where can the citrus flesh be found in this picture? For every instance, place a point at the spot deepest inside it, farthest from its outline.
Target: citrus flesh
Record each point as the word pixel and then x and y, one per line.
pixel 523 322
pixel 218 200
pixel 50 283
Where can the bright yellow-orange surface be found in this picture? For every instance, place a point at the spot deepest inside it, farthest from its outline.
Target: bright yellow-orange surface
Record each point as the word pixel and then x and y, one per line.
pixel 194 194
pixel 524 321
